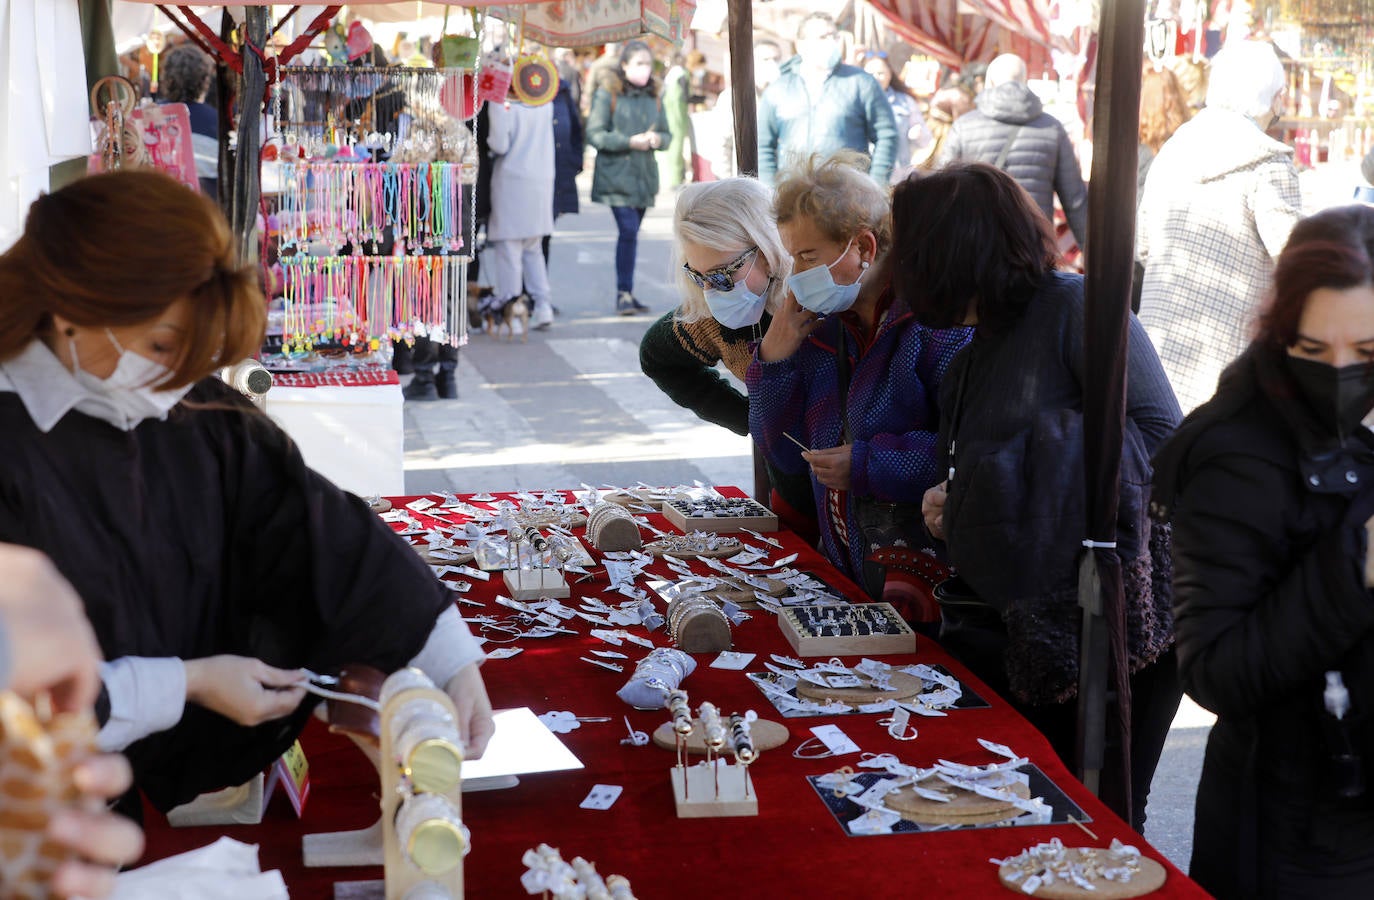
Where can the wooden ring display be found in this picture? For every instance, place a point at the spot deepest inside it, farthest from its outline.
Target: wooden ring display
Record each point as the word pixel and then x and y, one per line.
pixel 904 687
pixel 1150 878
pixel 767 735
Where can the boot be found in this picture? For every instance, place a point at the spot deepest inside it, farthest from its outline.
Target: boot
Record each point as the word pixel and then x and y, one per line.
pixel 402 358
pixel 422 387
pixel 446 382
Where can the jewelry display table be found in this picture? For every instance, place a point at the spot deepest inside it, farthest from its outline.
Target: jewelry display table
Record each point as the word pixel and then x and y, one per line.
pixel 794 847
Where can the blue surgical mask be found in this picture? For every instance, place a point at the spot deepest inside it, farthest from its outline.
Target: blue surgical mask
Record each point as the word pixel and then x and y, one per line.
pixel 816 290
pixel 738 307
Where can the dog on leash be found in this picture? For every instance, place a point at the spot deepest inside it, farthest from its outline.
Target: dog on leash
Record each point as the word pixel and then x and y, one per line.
pixel 497 314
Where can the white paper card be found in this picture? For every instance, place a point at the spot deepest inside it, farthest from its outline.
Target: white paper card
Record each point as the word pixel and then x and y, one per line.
pixel 835 740
pixel 504 652
pixel 731 659
pixel 603 796
pixel 522 744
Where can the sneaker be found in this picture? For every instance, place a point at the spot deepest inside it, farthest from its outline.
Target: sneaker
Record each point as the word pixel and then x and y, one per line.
pixel 542 317
pixel 625 304
pixel 639 307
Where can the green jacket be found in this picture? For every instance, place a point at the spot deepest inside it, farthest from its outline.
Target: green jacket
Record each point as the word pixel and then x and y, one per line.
pixel 624 177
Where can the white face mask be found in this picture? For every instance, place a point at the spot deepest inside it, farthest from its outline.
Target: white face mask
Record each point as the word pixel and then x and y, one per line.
pixel 739 307
pixel 816 290
pixel 128 389
pixel 766 71
pixel 819 53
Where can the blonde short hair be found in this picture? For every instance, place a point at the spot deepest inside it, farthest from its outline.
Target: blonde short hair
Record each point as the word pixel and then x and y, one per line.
pixel 837 195
pixel 732 215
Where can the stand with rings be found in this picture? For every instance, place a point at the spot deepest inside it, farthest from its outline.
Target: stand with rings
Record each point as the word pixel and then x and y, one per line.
pixel 535 576
pixel 713 788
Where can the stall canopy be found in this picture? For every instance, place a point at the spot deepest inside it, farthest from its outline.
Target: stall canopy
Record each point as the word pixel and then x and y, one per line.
pixel 557 24
pixel 956 32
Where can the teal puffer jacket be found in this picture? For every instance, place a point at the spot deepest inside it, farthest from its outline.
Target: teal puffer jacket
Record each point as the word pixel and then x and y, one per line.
pixel 624 177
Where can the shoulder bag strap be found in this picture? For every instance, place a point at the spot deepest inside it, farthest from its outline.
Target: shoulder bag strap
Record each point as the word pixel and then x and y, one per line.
pixel 1006 148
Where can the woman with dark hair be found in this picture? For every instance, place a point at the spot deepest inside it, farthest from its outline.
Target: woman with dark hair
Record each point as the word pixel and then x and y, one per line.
pixel 214 565
pixel 626 126
pixel 846 371
pixel 1270 488
pixel 913 137
pixel 976 250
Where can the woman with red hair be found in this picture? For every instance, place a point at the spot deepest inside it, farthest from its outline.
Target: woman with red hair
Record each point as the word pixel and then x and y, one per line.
pixel 1270 488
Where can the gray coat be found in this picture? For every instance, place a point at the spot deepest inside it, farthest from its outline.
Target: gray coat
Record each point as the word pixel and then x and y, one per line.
pixel 1041 157
pixel 522 175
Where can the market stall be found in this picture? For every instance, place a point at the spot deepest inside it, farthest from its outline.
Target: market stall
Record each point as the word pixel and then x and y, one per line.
pixel 808 838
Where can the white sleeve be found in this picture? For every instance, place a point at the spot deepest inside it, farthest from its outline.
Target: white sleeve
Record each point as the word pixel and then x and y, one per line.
pixel 449 648
pixel 146 694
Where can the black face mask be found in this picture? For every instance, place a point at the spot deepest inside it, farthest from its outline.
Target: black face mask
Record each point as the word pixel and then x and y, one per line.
pixel 1338 398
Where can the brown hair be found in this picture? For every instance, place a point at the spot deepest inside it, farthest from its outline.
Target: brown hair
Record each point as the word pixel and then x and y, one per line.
pixel 968 234
pixel 837 195
pixel 1332 249
pixel 1162 106
pixel 119 249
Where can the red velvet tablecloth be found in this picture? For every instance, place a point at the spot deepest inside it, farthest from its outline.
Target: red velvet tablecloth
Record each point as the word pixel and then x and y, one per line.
pixel 794 848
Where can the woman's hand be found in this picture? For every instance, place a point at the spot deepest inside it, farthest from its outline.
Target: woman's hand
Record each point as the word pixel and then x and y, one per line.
pixel 933 510
pixel 103 840
pixel 831 466
pixel 245 690
pixel 469 696
pixel 645 140
pixel 53 645
pixel 790 327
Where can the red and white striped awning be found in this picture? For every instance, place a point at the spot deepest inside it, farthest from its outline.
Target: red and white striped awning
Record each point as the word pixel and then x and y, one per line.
pixel 938 29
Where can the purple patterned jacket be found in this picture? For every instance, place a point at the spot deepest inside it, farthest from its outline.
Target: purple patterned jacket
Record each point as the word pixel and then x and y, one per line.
pixel 893 414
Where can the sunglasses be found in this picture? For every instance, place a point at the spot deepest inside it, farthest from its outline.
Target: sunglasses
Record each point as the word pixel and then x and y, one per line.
pixel 723 278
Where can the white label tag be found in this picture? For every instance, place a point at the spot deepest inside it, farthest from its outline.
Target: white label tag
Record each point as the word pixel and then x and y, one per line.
pixel 504 652
pixel 603 796
pixel 732 660
pixel 876 792
pixel 835 740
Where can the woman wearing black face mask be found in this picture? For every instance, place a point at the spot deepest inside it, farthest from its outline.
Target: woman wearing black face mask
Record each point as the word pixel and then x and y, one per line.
pixel 1270 487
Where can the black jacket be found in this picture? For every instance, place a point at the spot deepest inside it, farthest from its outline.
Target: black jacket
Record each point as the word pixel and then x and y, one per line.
pixel 1268 596
pixel 567 150
pixel 1041 157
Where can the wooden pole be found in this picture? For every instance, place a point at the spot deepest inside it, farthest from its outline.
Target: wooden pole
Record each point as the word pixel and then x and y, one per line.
pixel 1109 256
pixel 742 88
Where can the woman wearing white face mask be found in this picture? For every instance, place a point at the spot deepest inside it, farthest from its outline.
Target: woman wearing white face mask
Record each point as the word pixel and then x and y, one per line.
pixel 845 370
pixel 627 124
pixel 732 276
pixel 214 566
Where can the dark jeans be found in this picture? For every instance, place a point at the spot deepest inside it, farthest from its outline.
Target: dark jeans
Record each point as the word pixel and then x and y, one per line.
pixel 627 219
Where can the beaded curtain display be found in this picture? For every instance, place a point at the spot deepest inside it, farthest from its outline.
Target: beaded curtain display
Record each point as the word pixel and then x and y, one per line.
pixel 363 169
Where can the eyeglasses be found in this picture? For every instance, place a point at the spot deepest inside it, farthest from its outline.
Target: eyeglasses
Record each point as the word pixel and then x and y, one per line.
pixel 721 279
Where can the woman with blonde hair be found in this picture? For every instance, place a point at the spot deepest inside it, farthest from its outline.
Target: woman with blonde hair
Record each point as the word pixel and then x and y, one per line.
pixel 731 272
pixel 847 371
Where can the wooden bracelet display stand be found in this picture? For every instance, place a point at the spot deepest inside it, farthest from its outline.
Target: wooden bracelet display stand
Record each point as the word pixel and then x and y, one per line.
pixel 403 875
pixel 713 788
pixel 538 583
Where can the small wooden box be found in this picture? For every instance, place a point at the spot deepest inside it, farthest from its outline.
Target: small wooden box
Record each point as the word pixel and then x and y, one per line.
pixel 898 638
pixel 721 516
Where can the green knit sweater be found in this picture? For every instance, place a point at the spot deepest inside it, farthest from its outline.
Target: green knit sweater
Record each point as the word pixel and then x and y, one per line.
pixel 681 357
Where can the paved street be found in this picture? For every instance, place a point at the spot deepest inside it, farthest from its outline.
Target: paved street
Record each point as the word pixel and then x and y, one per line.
pixel 572 406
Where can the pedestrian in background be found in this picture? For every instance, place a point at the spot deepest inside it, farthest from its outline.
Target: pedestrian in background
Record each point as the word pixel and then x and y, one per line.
pixel 187 73
pixel 1219 202
pixel 1010 129
pixel 1270 488
pixel 820 105
pixel 521 141
pixel 568 150
pixel 677 91
pixel 626 126
pixel 912 133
